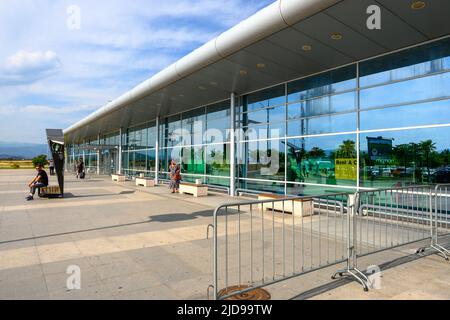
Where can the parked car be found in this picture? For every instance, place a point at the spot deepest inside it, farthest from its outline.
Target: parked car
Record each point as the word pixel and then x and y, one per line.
pixel 442 175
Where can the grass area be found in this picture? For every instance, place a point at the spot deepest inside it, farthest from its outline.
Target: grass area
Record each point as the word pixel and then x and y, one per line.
pixel 16 164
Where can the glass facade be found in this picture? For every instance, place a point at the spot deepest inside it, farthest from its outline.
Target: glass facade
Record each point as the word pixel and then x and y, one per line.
pixel 388 115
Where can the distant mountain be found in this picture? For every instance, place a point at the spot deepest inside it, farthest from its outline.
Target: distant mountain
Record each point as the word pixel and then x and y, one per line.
pixel 12 150
pixel 10 157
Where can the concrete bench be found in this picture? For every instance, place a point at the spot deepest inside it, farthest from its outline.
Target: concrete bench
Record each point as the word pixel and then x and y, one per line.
pixel 145 182
pixel 301 207
pixel 118 178
pixel 194 189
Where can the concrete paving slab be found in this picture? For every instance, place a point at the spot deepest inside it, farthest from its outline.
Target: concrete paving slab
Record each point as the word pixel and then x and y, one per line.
pixel 136 243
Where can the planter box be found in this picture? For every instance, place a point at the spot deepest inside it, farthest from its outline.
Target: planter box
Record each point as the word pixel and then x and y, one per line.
pixel 118 178
pixel 195 190
pixel 148 183
pixel 301 208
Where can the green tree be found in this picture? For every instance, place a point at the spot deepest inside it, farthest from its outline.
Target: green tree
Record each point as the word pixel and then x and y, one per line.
pixel 40 160
pixel 347 149
pixel 402 154
pixel 427 147
pixel 316 153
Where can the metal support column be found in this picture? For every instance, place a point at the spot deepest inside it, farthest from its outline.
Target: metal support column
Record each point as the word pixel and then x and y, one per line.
pixel 120 151
pixel 157 152
pixel 233 146
pixel 98 155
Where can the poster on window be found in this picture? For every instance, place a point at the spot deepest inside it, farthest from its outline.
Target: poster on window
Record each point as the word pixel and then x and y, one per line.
pixel 345 168
pixel 379 149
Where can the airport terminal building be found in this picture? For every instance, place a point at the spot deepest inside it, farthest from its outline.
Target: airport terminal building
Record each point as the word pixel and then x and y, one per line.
pixel 301 98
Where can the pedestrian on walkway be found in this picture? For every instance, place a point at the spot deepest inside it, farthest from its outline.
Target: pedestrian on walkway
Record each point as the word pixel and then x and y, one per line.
pixel 175 176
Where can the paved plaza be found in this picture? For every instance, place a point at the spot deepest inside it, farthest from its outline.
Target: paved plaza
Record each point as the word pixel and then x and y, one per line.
pixel 137 243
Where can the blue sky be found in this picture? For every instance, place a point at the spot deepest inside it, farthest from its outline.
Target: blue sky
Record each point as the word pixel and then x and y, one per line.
pixel 52 76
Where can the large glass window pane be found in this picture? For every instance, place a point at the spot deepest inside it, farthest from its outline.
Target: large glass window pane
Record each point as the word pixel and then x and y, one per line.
pixel 217 162
pixel 308 190
pixel 163 161
pixel 437 112
pixel 151 160
pixel 193 160
pixel 399 158
pixel 320 125
pixel 323 160
pixel 268 115
pixel 172 154
pixel 125 161
pixel 265 98
pixel 151 143
pixel 340 80
pixel 345 102
pixel 423 60
pixel 173 131
pixel 262 160
pixel 224 182
pixel 431 87
pixel 193 126
pixel 264 186
pixel 218 123
pixel 265 131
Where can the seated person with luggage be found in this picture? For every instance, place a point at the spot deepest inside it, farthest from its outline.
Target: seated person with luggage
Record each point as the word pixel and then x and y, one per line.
pixel 40 181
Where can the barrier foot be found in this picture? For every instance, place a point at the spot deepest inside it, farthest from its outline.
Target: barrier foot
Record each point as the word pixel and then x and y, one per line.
pixel 354 273
pixel 208 292
pixel 441 251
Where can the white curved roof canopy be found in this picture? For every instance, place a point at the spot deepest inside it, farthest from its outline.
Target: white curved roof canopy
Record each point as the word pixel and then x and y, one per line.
pixel 273 37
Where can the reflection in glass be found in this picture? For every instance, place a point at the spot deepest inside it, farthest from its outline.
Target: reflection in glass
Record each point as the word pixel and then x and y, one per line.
pixel 325 124
pixel 432 87
pixel 192 160
pixel 400 158
pixel 423 60
pixel 217 163
pixel 437 112
pixel 265 98
pixel 323 160
pixel 339 80
pixel 262 160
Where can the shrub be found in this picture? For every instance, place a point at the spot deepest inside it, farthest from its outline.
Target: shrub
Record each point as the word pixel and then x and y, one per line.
pixel 15 166
pixel 40 160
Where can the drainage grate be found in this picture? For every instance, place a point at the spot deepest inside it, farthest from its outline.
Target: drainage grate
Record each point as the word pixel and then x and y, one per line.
pixel 257 294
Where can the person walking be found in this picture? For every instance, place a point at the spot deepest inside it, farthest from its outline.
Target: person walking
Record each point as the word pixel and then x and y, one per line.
pixel 52 167
pixel 80 169
pixel 175 176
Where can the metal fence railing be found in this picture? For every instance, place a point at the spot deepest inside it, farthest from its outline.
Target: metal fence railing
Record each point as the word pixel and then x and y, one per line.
pixel 257 244
pixel 441 219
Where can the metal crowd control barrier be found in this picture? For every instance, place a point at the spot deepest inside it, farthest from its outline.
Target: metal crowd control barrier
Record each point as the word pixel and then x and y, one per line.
pixel 385 219
pixel 257 244
pixel 441 221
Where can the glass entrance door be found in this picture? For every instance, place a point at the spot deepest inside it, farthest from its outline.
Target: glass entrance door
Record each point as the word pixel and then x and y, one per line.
pixel 109 161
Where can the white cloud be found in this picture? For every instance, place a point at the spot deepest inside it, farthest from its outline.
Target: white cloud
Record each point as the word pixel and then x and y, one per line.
pixel 49 72
pixel 27 67
pixel 48 111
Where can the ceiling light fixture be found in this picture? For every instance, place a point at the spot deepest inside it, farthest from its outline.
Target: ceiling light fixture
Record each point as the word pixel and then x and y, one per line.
pixel 307 47
pixel 202 88
pixel 213 83
pixel 418 5
pixel 260 65
pixel 243 72
pixel 336 36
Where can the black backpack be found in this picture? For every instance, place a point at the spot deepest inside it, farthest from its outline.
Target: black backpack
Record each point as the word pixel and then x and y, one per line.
pixel 82 175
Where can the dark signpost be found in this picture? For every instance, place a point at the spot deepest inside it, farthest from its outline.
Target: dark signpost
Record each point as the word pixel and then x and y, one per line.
pixel 55 139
